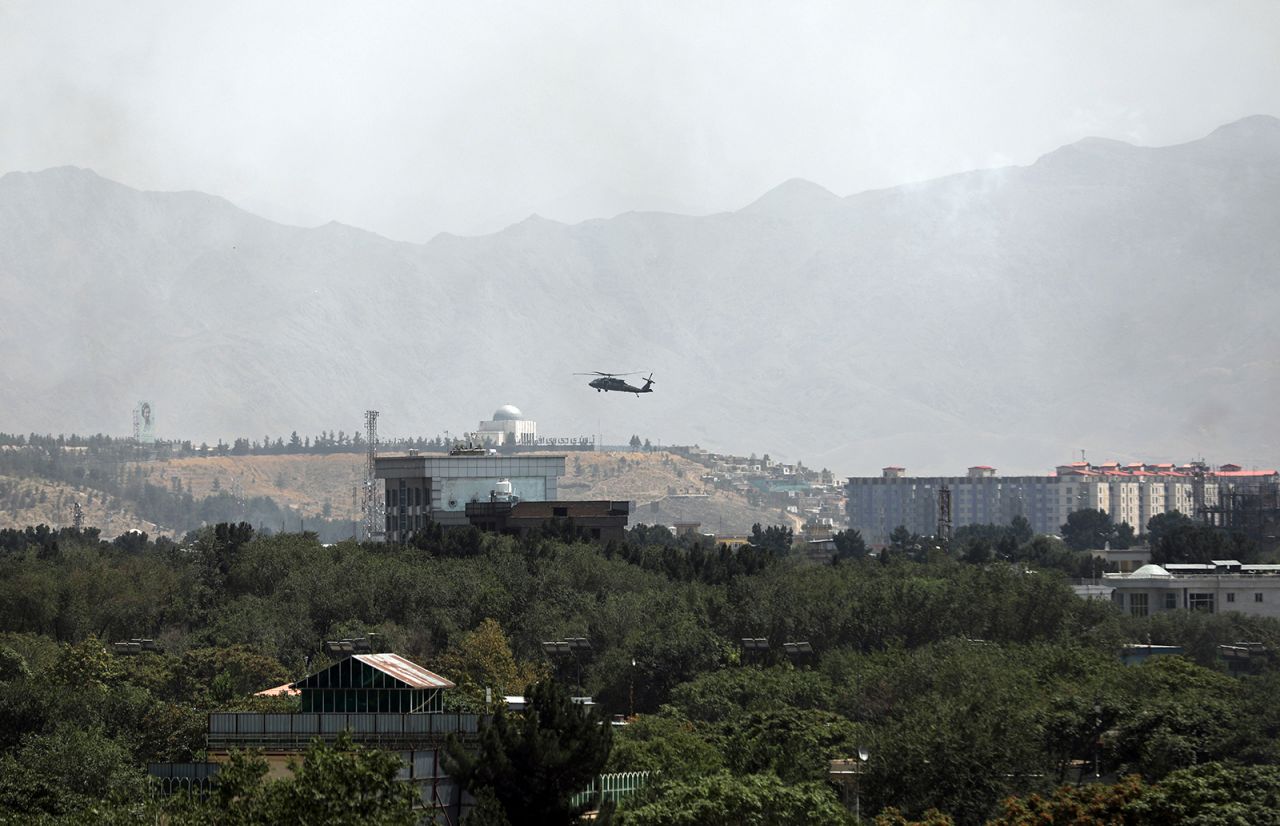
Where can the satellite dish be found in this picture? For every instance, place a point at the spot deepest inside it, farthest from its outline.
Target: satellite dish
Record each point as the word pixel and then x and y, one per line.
pixel 863 754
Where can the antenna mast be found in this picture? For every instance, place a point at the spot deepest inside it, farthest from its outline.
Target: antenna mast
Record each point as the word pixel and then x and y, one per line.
pixel 944 514
pixel 373 507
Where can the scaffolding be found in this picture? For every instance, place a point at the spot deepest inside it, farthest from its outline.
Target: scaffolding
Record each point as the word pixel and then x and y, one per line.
pixel 944 515
pixel 1252 510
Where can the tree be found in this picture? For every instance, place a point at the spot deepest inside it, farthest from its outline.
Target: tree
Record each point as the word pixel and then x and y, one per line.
pixel 1189 542
pixel 774 538
pixel 65 770
pixel 534 762
pixel 635 442
pixel 658 743
pixel 483 659
pixel 13 666
pixel 342 783
pixel 849 545
pixel 1163 524
pixel 901 540
pixel 1083 805
pixel 1088 529
pixel 724 799
pixel 1021 529
pixel 1213 793
pixel 977 552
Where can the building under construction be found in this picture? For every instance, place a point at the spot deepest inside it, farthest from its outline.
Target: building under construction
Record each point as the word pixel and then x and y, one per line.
pixel 1248 503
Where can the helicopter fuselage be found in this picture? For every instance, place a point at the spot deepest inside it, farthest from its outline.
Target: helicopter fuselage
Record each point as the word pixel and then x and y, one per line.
pixel 607 383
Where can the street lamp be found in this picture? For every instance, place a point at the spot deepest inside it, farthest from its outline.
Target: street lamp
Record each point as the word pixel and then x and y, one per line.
pixel 797 650
pixel 1097 741
pixel 754 648
pixel 863 756
pixel 575 647
pixel 848 772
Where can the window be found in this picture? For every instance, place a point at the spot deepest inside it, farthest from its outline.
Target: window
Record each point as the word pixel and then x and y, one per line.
pixel 1201 602
pixel 1170 601
pixel 1257 597
pixel 1138 605
pixel 1231 597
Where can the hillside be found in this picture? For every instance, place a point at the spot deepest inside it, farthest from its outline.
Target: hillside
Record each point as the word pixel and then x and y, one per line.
pixel 1110 297
pixel 310 484
pixel 666 488
pixel 31 501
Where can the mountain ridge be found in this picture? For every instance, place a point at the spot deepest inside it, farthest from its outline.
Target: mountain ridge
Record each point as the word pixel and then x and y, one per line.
pixel 936 325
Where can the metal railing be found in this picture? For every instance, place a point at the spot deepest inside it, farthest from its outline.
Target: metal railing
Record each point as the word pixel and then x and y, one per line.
pixel 610 788
pixel 191 779
pixel 295 731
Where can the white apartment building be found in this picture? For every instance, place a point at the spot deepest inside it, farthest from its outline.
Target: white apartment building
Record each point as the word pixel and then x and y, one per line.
pixel 1132 493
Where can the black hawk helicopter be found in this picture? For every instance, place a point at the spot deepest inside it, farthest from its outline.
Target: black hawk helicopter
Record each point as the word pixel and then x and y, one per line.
pixel 613 381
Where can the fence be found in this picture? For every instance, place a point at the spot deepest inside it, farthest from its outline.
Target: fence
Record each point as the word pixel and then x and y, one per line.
pixel 612 788
pixel 191 779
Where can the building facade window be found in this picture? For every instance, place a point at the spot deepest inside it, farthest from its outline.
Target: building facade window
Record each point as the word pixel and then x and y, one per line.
pixel 1201 602
pixel 1257 597
pixel 1170 601
pixel 1138 605
pixel 1231 597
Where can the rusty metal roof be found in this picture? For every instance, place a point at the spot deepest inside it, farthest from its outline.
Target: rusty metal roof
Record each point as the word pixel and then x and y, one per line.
pixel 286 690
pixel 409 673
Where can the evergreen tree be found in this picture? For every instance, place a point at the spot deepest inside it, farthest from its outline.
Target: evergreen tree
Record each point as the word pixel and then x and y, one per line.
pixel 533 763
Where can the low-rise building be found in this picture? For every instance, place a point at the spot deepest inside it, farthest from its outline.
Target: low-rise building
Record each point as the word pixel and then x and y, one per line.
pixel 603 520
pixel 1212 587
pixel 381 701
pixel 508 427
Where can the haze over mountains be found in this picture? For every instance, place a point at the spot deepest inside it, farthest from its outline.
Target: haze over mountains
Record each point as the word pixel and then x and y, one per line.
pixel 1109 297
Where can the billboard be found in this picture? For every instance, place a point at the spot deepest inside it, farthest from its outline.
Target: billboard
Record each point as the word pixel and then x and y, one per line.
pixel 144 424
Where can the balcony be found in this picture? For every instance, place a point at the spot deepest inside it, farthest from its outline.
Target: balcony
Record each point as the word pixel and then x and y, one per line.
pixel 292 732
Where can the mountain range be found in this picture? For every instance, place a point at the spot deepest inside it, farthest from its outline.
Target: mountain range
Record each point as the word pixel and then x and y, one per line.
pixel 1108 297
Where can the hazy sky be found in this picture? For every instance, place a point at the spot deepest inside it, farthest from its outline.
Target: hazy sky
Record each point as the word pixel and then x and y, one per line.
pixel 408 118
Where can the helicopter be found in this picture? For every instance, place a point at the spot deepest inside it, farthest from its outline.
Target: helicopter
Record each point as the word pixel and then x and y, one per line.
pixel 614 381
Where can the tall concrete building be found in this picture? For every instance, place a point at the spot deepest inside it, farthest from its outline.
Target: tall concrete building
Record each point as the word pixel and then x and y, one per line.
pixel 1131 493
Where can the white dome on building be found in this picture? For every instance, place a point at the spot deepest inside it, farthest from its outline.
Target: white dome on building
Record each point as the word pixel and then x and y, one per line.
pixel 1150 570
pixel 507 413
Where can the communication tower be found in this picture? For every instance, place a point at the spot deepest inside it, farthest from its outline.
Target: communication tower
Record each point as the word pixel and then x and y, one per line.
pixel 373 505
pixel 944 513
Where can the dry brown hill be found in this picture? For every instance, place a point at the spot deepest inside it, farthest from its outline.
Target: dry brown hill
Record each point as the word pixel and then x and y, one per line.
pixel 665 487
pixel 306 483
pixel 30 501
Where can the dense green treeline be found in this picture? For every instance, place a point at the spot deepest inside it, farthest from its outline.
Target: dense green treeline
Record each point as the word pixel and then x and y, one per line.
pixel 965 682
